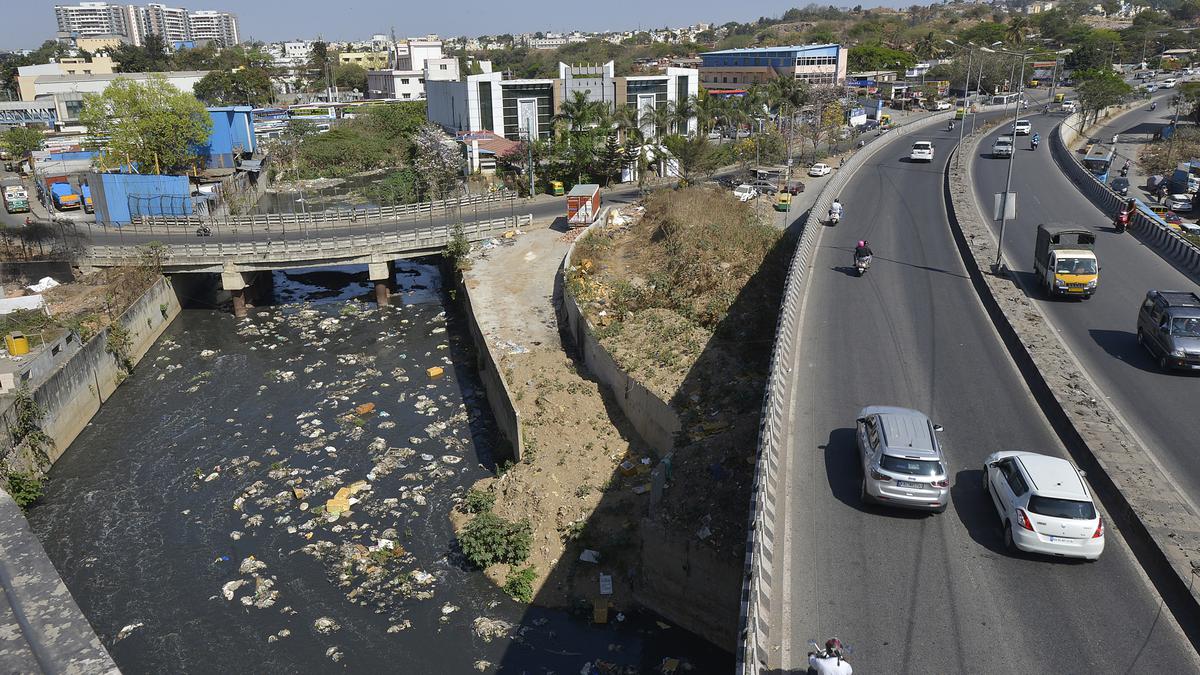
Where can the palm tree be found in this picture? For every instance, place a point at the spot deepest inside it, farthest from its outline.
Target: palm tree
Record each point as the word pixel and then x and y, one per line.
pixel 578 112
pixel 1018 26
pixel 662 117
pixel 710 110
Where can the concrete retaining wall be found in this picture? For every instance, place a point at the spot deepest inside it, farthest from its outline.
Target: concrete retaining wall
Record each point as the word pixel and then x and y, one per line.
pixel 1145 225
pixel 653 418
pixel 754 626
pixel 1152 516
pixel 499 396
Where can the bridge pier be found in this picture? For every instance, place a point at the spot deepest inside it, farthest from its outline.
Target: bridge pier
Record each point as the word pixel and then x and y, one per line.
pixel 382 274
pixel 236 283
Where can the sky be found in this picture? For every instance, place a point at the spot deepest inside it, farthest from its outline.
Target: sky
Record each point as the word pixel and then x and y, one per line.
pixel 25 24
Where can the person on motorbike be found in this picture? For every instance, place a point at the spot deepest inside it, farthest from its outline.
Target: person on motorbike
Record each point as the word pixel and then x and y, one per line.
pixel 831 660
pixel 835 210
pixel 950 125
pixel 1035 140
pixel 1153 106
pixel 863 250
pixel 1125 169
pixel 1115 136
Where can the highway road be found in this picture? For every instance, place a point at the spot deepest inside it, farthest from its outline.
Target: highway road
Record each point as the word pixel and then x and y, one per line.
pixel 1160 407
pixel 930 593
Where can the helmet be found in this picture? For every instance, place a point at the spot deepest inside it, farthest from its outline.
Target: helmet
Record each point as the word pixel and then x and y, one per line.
pixel 862 242
pixel 833 645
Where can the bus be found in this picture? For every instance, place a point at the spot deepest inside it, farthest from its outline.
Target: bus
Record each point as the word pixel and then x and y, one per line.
pixel 1005 99
pixel 1098 161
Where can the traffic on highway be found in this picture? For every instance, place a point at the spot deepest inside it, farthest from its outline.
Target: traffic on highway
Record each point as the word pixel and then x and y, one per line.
pixel 928 508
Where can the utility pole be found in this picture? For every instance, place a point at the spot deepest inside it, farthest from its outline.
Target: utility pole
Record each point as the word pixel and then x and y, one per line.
pixel 1008 181
pixel 966 93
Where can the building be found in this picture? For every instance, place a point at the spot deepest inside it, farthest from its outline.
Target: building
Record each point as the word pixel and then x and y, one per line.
pixel 220 27
pixel 49 85
pixel 520 108
pixel 412 63
pixel 27 75
pixel 739 68
pixel 367 60
pixel 133 23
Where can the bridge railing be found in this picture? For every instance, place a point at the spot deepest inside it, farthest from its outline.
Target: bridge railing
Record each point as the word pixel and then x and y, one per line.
pixel 346 217
pixel 282 251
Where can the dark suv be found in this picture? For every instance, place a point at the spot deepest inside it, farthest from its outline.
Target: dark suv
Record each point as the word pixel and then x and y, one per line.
pixel 1168 326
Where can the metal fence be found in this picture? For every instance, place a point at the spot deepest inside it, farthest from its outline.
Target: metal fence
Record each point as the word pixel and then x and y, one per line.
pixel 281 252
pixel 352 215
pixel 754 622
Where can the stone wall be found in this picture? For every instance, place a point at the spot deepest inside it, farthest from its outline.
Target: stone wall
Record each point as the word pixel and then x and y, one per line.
pixel 499 396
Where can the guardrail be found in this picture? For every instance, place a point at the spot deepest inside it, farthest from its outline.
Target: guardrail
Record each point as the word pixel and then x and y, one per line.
pixel 1149 227
pixel 303 249
pixel 316 218
pixel 754 624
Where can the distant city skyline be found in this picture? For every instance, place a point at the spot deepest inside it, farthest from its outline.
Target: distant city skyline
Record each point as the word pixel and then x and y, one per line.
pixel 27 23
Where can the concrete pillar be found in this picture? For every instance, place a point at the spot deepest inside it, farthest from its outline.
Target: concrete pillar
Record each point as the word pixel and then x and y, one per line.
pixel 381 274
pixel 235 283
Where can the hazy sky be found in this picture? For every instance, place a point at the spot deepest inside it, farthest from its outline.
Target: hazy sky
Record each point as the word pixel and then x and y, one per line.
pixel 27 23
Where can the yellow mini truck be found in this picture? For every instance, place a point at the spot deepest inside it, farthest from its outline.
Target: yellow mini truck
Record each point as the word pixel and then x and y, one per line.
pixel 1065 262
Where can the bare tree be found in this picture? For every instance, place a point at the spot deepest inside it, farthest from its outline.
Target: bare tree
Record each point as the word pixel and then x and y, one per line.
pixel 822 116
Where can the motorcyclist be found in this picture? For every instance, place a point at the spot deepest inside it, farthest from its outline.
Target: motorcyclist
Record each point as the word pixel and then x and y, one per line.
pixel 830 660
pixel 1035 140
pixel 835 210
pixel 1153 106
pixel 950 125
pixel 1115 139
pixel 1125 169
pixel 863 250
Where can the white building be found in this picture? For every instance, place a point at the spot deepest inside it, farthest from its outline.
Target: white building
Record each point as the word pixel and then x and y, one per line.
pixel 48 85
pixel 219 27
pixel 95 18
pixel 414 62
pixel 172 23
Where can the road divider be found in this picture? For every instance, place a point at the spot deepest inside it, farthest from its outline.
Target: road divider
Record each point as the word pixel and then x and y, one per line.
pixel 1152 514
pixel 757 586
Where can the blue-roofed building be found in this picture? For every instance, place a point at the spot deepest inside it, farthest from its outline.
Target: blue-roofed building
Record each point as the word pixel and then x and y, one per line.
pixel 740 68
pixel 232 137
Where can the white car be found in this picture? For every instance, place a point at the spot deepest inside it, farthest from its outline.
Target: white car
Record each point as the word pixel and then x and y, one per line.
pixel 1169 83
pixel 1023 127
pixel 1044 505
pixel 819 170
pixel 1150 88
pixel 1070 106
pixel 744 193
pixel 922 151
pixel 1179 203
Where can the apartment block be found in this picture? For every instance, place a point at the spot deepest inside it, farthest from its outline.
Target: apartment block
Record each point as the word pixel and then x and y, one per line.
pixel 740 68
pixel 133 23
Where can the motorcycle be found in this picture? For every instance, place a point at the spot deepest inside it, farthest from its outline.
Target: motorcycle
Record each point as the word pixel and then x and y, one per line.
pixel 1125 170
pixel 861 265
pixel 1121 222
pixel 828 661
pixel 834 217
pixel 204 231
pixel 1033 145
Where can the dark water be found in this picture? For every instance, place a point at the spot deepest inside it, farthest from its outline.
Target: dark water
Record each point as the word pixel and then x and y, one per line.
pixel 154 513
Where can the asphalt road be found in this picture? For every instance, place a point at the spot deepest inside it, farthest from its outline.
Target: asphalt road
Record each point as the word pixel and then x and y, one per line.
pixel 931 593
pixel 1160 407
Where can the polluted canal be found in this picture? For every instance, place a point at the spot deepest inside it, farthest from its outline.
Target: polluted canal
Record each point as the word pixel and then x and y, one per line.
pixel 272 495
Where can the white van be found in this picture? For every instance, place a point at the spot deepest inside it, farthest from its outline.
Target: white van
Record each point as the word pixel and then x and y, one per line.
pixel 922 151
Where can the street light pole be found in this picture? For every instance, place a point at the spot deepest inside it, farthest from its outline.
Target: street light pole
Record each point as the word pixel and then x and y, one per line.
pixel 1008 181
pixel 966 93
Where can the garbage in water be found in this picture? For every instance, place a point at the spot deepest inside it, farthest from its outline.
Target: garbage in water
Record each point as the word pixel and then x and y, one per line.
pixel 434 371
pixel 124 632
pixel 589 555
pixel 606 584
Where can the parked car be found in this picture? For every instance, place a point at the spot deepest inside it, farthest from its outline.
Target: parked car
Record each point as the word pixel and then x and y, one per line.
pixel 793 188
pixel 1168 326
pixel 744 193
pixel 941 105
pixel 902 463
pixel 922 151
pixel 714 136
pixel 1044 505
pixel 1023 127
pixel 819 169
pixel 870 124
pixel 763 187
pixel 1180 203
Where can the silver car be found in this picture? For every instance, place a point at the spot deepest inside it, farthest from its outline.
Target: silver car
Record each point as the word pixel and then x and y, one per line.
pixel 902 463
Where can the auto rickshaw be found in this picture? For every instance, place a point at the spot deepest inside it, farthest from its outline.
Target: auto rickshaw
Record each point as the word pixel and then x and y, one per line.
pixel 1059 98
pixel 1034 83
pixel 960 113
pixel 783 202
pixel 885 120
pixel 556 188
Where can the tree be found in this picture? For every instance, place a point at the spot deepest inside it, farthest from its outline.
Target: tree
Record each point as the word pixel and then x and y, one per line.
pixel 694 157
pixel 151 57
pixel 286 148
pixel 398 187
pixel 152 126
pixel 249 86
pixel 825 117
pixel 612 158
pixel 20 141
pixel 875 56
pixel 350 76
pixel 437 163
pixel 1098 89
pixel 318 61
pixel 1018 27
pixel 396 120
pixel 1189 96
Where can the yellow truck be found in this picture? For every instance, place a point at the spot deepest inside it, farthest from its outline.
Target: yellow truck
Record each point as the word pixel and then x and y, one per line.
pixel 1065 262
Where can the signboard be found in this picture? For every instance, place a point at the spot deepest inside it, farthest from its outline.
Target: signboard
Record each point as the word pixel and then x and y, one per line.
pixel 1047 65
pixel 857 117
pixel 1009 206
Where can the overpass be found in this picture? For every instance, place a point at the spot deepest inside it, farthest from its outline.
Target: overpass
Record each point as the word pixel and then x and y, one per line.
pixel 239 262
pixel 915 593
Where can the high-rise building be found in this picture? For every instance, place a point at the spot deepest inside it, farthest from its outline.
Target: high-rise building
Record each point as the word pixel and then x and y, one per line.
pixel 217 26
pixel 134 23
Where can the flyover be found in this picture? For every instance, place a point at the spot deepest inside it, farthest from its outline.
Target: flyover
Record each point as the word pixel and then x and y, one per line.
pixel 917 593
pixel 1159 407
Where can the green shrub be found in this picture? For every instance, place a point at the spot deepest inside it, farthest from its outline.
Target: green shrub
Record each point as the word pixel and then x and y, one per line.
pixel 519 584
pixel 489 539
pixel 478 501
pixel 25 488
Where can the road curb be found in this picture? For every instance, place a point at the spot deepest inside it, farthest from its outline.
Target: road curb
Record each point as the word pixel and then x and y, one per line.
pixel 753 623
pixel 1152 515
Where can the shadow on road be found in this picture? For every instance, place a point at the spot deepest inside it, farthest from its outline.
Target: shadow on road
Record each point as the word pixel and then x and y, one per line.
pixel 1122 345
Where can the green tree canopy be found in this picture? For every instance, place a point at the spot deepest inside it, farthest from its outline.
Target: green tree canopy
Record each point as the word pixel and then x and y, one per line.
pixel 397 120
pixel 877 57
pixel 151 57
pixel 1098 89
pixel 153 126
pixel 20 141
pixel 249 86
